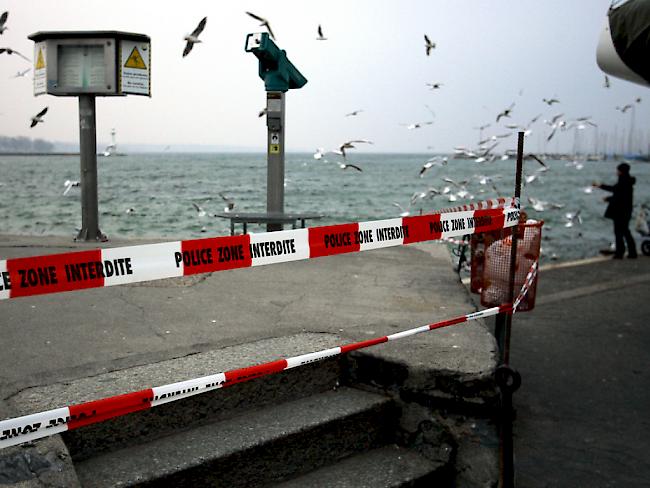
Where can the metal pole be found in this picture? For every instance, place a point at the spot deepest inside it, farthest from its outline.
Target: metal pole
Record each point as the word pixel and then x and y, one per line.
pixel 88 181
pixel 513 251
pixel 508 380
pixel 275 156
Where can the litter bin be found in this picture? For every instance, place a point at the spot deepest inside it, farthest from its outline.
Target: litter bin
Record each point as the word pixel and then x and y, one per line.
pixel 478 243
pixel 496 265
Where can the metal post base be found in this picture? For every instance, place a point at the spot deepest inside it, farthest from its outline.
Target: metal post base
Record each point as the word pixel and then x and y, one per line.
pixel 85 235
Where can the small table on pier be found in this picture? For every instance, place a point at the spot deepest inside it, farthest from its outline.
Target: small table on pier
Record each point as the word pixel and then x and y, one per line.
pixel 267 218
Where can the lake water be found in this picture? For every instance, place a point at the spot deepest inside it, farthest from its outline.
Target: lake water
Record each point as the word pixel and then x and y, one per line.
pixel 161 189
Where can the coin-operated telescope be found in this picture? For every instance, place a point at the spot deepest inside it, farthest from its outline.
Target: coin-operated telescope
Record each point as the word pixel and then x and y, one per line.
pixel 278 73
pixel 279 76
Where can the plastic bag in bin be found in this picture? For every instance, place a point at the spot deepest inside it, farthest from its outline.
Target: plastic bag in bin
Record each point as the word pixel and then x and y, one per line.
pixel 496 266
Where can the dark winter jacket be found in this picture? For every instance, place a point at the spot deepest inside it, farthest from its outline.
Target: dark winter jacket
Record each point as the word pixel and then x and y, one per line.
pixel 620 202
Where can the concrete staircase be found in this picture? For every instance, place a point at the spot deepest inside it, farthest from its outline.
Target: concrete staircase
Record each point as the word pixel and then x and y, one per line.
pixel 342 422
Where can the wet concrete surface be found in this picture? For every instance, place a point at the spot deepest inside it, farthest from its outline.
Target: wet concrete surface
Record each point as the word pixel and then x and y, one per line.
pixel 584 355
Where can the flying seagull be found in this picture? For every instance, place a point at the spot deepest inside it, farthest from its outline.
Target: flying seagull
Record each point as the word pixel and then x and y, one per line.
pixel 230 203
pixel 625 108
pixel 555 118
pixel 417 125
pixel 320 152
pixel 607 84
pixel 550 101
pixel 20 74
pixel 346 166
pixel 506 112
pixel 434 161
pixel 572 218
pixel 193 38
pixel 200 212
pixel 10 51
pixel 428 45
pixel 433 86
pixel 38 117
pixel 109 150
pixel 320 37
pixel 264 23
pixel 3 21
pixel 351 145
pixel 403 213
pixel 532 156
pixel 68 186
pixel 352 114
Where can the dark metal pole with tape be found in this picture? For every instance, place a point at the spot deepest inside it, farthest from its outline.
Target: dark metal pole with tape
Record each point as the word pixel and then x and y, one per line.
pixel 279 76
pixel 507 379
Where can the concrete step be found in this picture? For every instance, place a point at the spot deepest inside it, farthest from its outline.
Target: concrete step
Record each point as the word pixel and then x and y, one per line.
pixel 253 449
pixel 389 466
pixel 221 404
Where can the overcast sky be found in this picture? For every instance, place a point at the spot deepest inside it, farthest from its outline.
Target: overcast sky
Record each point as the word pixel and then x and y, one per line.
pixel 489 54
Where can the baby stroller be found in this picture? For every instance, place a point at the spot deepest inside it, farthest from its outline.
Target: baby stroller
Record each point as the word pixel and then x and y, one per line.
pixel 642 225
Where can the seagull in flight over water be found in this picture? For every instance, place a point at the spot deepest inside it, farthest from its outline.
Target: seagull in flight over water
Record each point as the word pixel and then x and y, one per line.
pixel 351 145
pixel 193 38
pixel 230 203
pixel 434 161
pixel 346 166
pixel 264 23
pixel 68 185
pixel 38 117
pixel 320 37
pixel 200 212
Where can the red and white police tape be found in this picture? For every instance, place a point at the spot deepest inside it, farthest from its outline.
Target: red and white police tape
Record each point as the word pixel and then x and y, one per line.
pixel 123 265
pixel 35 426
pixel 483 204
pixel 528 282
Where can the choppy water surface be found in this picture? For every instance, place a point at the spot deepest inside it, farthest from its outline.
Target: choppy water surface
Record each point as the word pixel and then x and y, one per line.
pixel 161 188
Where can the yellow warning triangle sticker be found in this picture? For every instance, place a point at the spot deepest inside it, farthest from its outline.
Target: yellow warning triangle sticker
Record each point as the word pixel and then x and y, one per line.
pixel 40 62
pixel 135 60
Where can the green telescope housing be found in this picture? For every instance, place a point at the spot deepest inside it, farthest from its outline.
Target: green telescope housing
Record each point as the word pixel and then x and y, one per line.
pixel 278 73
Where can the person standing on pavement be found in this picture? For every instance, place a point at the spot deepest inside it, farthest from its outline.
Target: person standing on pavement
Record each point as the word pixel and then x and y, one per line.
pixel 619 209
